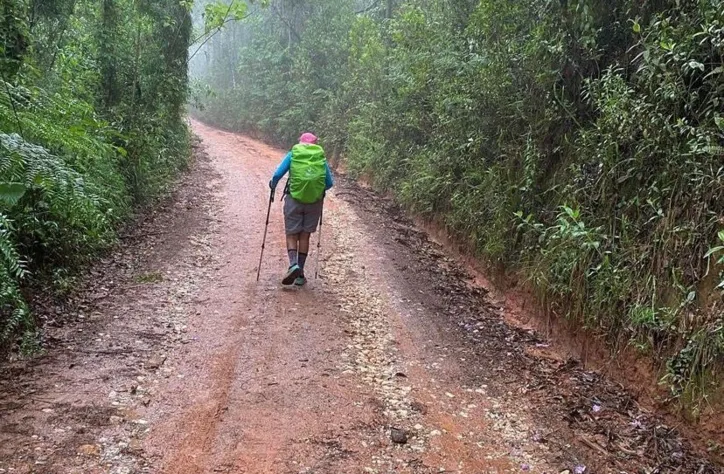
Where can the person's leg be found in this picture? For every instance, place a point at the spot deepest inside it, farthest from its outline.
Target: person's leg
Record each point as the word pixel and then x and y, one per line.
pixel 295 270
pixel 303 249
pixel 293 223
pixel 312 213
pixel 293 249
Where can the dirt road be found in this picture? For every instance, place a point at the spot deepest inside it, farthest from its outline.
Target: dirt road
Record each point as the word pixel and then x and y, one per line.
pixel 175 360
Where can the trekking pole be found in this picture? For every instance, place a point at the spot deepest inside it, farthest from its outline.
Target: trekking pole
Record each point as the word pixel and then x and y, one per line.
pixel 266 227
pixel 319 242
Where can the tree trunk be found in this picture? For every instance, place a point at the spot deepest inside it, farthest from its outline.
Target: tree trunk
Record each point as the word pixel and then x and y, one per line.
pixel 107 56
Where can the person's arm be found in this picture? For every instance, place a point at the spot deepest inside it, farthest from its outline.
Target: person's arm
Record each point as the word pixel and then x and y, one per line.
pixel 282 169
pixel 329 181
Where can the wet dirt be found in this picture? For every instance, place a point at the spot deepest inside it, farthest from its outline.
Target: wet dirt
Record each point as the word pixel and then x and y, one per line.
pixel 176 360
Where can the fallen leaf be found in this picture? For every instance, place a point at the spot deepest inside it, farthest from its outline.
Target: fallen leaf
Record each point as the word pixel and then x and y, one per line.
pixel 89 450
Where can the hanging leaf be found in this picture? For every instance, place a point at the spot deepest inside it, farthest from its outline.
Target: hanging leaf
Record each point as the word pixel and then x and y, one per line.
pixel 217 14
pixel 11 193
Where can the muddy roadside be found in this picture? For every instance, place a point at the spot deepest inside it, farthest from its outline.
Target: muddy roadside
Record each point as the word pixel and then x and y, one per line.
pixel 79 405
pixel 591 420
pixel 619 361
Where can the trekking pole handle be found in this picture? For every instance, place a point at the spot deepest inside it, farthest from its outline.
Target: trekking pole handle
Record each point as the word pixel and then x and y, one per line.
pixel 271 197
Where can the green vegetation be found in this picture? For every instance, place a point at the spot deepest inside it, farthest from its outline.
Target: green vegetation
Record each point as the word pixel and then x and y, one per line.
pixel 580 142
pixel 92 96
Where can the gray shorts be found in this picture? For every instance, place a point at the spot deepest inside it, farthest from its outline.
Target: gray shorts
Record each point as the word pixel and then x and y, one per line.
pixel 300 217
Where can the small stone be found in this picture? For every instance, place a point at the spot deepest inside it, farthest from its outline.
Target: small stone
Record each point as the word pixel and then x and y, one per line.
pixel 135 446
pixel 156 361
pixel 398 436
pixel 418 407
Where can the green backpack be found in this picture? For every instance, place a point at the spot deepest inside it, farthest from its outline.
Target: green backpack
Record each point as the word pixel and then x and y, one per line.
pixel 307 173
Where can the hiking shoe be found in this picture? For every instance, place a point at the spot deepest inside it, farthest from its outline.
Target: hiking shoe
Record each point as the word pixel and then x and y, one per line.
pixel 300 281
pixel 292 274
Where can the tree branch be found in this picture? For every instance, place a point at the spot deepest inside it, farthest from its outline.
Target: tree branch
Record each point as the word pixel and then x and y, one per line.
pixel 286 22
pixel 213 33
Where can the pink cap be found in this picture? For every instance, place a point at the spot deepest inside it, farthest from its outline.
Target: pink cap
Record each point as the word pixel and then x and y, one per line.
pixel 308 138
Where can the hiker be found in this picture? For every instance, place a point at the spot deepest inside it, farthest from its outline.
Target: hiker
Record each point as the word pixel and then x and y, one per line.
pixel 309 179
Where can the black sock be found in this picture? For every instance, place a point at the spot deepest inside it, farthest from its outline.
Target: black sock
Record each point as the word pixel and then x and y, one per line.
pixel 292 257
pixel 302 260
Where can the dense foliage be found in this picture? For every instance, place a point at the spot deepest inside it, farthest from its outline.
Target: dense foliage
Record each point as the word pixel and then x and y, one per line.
pixel 92 96
pixel 580 141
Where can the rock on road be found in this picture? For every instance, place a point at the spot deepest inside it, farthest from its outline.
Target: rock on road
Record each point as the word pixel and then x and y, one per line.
pixel 390 362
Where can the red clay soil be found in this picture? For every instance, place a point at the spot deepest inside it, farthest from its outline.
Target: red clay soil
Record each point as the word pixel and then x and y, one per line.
pixel 639 372
pixel 175 360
